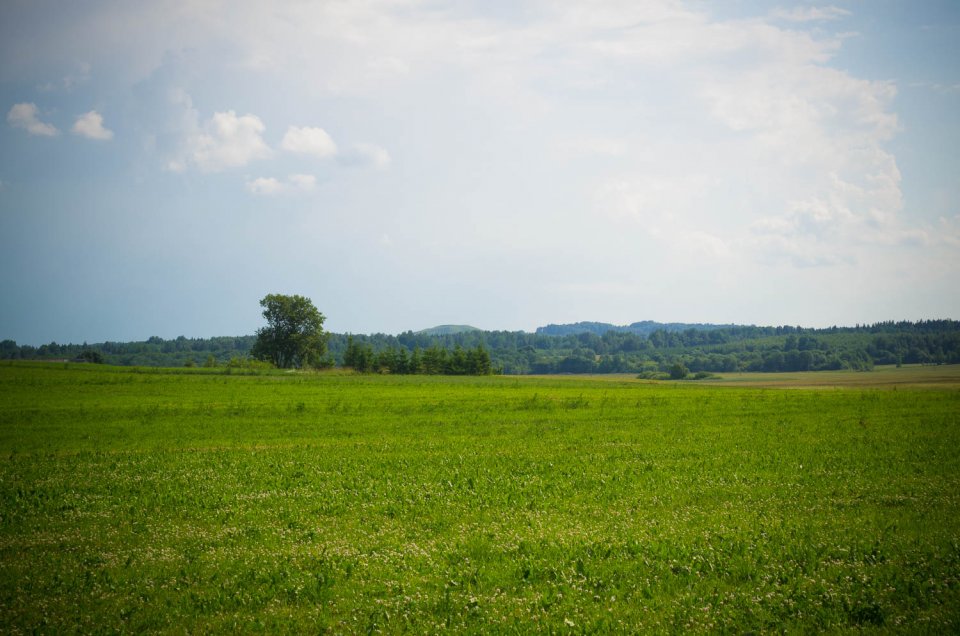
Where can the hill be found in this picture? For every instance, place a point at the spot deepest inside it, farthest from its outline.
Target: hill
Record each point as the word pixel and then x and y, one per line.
pixel 642 328
pixel 446 330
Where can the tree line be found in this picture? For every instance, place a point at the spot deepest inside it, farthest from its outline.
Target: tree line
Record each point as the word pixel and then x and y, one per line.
pixel 720 349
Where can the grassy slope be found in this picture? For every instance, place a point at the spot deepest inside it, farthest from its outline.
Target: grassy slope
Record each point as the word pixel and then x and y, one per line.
pixel 153 501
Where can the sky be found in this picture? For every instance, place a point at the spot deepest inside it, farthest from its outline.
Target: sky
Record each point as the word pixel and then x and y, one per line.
pixel 504 164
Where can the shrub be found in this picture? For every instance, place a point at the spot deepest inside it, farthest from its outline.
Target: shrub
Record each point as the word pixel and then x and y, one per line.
pixel 89 355
pixel 678 371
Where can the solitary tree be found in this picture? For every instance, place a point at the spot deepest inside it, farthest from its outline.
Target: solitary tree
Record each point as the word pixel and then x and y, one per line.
pixel 294 334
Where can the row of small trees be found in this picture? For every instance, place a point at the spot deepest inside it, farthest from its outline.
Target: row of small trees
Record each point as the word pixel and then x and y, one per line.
pixel 432 361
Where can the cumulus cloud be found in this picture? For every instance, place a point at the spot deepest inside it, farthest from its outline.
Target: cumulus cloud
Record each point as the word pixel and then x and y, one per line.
pixel 294 184
pixel 309 141
pixel 90 125
pixel 265 185
pixel 27 116
pixel 228 141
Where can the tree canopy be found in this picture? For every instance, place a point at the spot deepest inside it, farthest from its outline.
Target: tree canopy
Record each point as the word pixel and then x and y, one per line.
pixel 294 335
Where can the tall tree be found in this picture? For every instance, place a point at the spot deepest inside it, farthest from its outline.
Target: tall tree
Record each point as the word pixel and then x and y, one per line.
pixel 294 335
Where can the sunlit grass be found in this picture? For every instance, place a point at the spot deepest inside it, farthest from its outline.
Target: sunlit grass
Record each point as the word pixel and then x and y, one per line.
pixel 201 502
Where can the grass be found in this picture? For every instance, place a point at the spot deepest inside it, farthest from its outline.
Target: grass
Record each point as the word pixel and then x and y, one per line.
pixel 909 376
pixel 199 502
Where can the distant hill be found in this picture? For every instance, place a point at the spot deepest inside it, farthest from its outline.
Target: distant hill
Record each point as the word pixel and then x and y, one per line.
pixel 642 328
pixel 446 330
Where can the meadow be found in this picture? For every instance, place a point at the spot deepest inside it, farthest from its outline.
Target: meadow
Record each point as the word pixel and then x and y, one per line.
pixel 144 500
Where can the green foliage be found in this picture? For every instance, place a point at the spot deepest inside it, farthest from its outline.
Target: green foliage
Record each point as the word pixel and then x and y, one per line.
pixel 154 352
pixel 678 371
pixel 358 357
pixel 90 355
pixel 716 349
pixel 653 375
pixel 146 500
pixel 244 363
pixel 434 361
pixel 293 337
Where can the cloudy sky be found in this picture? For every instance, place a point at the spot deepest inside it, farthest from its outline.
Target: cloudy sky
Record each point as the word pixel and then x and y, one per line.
pixel 505 164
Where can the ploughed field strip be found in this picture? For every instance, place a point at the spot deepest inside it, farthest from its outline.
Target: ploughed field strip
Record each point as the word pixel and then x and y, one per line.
pixel 144 500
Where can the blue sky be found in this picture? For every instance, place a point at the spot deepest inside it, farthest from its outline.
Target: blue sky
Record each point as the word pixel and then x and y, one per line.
pixel 404 164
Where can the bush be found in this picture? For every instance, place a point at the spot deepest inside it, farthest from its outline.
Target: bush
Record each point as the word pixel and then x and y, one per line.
pixel 653 375
pixel 90 355
pixel 678 371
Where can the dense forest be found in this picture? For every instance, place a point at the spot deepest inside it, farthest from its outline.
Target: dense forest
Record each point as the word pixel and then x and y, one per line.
pixel 709 348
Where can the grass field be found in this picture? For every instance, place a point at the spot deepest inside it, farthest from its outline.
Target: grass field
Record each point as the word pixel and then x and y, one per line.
pixel 882 377
pixel 144 500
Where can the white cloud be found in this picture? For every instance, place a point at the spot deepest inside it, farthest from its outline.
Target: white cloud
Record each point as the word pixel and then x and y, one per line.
pixel 228 141
pixel 810 14
pixel 265 185
pixel 27 116
pixel 166 121
pixel 90 125
pixel 294 184
pixel 310 141
pixel 370 155
pixel 782 157
pixel 302 182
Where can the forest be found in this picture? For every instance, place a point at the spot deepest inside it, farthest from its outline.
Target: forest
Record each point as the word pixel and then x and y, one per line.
pixel 705 348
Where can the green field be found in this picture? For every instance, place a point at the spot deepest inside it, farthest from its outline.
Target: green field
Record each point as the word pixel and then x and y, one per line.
pixel 168 501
